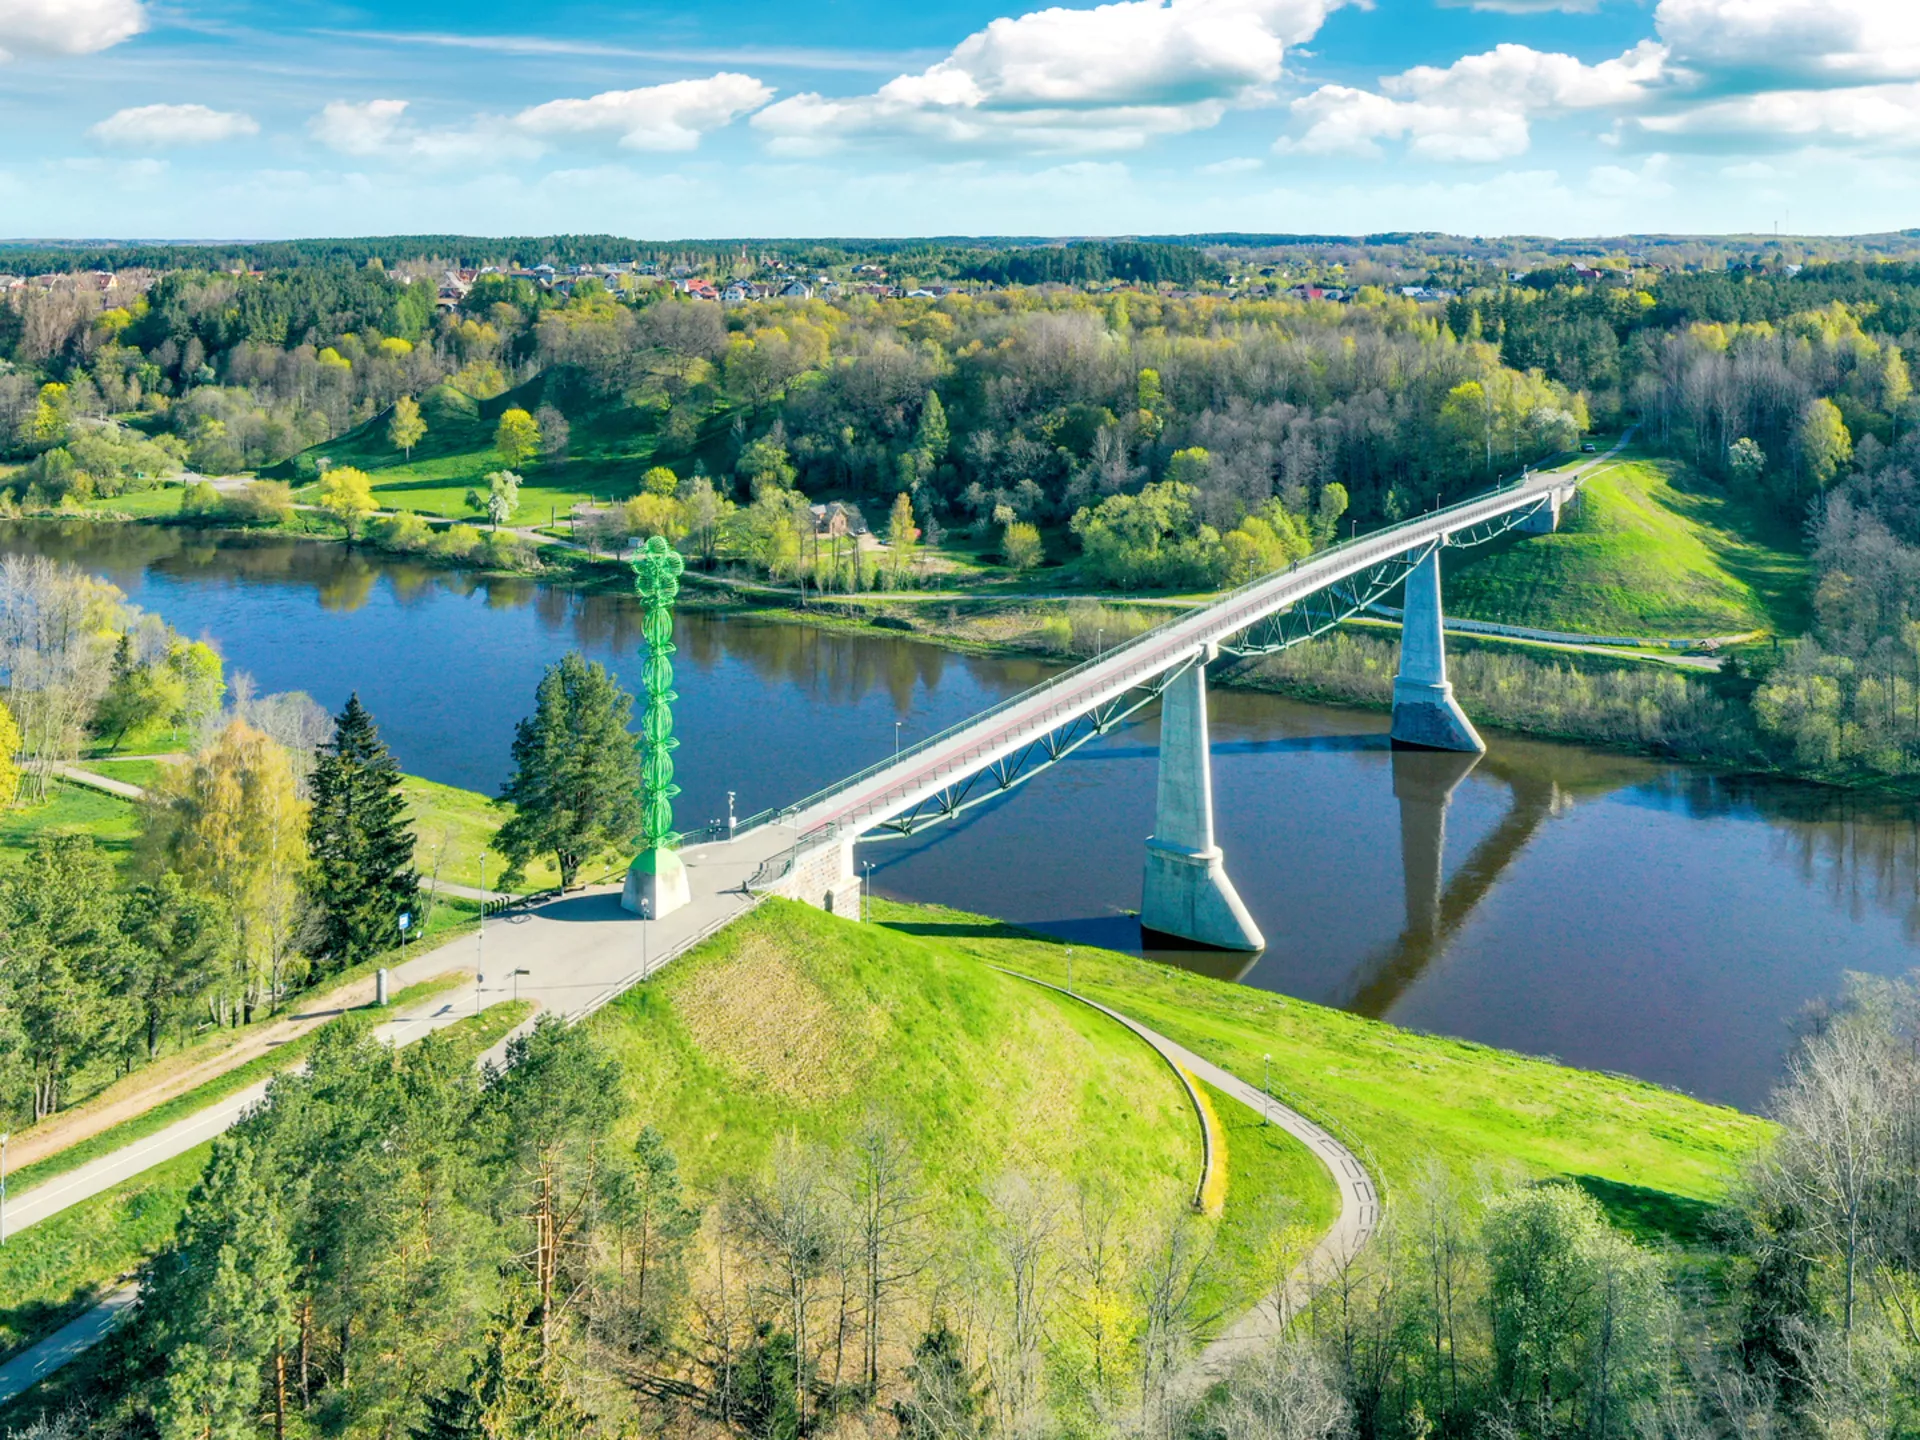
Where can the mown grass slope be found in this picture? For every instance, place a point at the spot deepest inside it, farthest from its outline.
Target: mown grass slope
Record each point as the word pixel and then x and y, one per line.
pixel 794 1022
pixel 1402 1100
pixel 1650 549
pixel 609 450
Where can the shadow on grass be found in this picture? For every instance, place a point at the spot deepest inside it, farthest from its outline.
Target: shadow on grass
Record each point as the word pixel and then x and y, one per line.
pixel 991 930
pixel 1651 1214
pixel 35 1320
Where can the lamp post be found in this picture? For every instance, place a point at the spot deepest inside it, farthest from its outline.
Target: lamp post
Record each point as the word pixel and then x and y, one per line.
pixel 896 739
pixel 480 937
pixel 866 893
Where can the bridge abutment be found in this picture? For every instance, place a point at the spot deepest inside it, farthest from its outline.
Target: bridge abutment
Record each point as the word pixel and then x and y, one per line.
pixel 1425 714
pixel 1186 895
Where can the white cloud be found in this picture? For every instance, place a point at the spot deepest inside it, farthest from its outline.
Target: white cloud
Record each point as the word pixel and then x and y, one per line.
pixel 380 129
pixel 1240 165
pixel 1105 78
pixel 660 117
pixel 1477 109
pixel 1829 39
pixel 1527 7
pixel 364 127
pixel 66 27
pixel 1621 182
pixel 156 126
pixel 1861 114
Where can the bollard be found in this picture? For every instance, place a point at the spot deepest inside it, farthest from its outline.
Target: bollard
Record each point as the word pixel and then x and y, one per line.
pixel 380 988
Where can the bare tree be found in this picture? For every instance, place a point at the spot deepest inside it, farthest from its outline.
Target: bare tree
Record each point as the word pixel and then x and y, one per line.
pixel 1022 1229
pixel 1286 1392
pixel 1166 1286
pixel 788 1222
pixel 1836 1127
pixel 881 1191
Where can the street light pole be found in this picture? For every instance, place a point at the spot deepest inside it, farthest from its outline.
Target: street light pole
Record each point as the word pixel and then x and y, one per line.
pixel 480 937
pixel 896 739
pixel 866 893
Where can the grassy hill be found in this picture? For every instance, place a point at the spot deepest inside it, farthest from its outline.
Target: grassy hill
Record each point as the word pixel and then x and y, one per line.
pixel 791 1022
pixel 611 445
pixel 1655 1158
pixel 1651 549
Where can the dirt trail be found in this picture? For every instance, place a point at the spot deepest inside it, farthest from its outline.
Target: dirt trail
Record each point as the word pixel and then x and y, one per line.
pixel 140 1092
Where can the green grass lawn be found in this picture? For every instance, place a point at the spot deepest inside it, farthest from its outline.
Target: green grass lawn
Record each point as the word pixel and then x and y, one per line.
pixel 1650 549
pixel 133 772
pixel 794 1022
pixel 161 502
pixel 453 829
pixel 611 447
pixel 70 810
pixel 1655 1158
pixel 62 1266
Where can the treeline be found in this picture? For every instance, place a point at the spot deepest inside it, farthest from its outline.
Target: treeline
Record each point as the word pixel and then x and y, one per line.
pixel 277 854
pixel 394 1244
pixel 1142 262
pixel 261 865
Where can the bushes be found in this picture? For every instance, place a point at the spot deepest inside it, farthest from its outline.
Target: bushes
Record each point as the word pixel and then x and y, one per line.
pixel 406 533
pixel 1601 702
pixel 263 502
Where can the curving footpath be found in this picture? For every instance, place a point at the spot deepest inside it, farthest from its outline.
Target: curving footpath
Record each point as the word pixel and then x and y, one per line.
pixel 1359 1199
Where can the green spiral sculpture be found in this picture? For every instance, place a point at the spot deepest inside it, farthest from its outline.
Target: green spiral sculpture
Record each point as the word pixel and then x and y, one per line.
pixel 656 579
pixel 657 880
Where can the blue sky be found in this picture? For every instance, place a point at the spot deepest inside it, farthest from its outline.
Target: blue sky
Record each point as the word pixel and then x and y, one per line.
pixel 241 118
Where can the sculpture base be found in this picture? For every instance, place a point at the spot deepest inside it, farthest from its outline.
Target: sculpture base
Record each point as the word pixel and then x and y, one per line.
pixel 656 885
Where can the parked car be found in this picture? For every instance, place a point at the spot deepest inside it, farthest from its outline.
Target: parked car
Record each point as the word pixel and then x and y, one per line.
pixel 1588 448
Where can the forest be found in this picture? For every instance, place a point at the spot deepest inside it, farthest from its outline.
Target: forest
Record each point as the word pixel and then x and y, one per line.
pixel 396 1244
pixel 1150 437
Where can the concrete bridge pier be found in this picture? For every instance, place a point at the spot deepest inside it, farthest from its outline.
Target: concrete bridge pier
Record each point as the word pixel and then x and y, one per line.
pixel 1425 714
pixel 1186 897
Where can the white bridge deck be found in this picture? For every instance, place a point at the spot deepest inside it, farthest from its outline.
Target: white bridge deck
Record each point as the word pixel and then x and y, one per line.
pixel 869 799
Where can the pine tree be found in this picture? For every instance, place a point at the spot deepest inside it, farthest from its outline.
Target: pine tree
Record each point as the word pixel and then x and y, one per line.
pixel 576 774
pixel 360 841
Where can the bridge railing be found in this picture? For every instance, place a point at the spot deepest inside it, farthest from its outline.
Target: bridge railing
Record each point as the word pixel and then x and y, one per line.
pixel 1217 620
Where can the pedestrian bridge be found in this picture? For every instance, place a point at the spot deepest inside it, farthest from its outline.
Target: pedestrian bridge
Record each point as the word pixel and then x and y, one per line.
pixel 806 849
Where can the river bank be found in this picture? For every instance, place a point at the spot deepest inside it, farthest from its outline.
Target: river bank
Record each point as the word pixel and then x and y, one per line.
pixel 1633 703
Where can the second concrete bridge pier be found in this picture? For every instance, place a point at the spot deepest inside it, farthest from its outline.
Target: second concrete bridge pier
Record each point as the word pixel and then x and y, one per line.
pixel 1186 896
pixel 1425 714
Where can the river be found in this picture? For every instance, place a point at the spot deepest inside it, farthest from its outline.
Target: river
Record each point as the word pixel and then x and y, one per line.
pixel 1614 912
